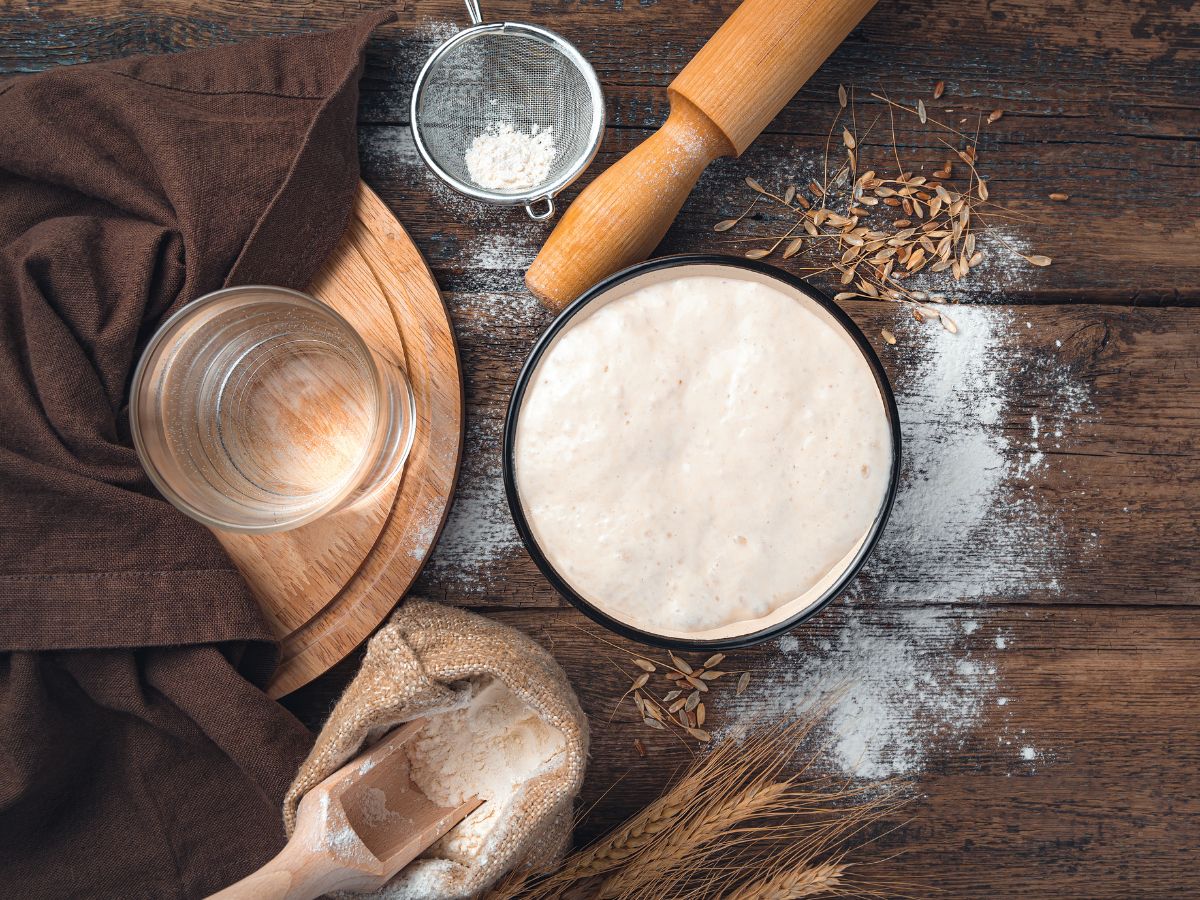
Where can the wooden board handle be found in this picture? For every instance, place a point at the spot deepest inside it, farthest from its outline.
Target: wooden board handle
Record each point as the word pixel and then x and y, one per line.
pixel 720 103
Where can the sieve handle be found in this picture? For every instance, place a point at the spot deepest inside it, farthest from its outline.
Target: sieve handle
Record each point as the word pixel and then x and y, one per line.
pixel 474 12
pixel 546 212
pixel 720 102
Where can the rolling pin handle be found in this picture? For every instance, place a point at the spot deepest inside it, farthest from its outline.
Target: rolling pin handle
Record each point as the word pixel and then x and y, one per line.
pixel 621 216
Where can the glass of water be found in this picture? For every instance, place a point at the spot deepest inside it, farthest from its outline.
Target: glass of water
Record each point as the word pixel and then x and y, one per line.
pixel 260 409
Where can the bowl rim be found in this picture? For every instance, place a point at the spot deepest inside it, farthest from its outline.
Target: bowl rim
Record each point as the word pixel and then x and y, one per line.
pixel 560 584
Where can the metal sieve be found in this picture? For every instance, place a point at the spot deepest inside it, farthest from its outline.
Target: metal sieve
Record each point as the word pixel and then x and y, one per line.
pixel 507 73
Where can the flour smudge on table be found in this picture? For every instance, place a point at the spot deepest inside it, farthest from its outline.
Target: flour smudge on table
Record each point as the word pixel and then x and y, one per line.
pixel 479 531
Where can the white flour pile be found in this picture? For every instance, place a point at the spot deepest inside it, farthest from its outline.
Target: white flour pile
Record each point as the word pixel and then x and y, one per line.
pixel 489 749
pixel 509 161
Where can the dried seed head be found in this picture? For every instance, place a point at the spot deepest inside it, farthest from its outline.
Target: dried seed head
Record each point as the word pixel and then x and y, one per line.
pixel 725 224
pixel 1061 198
pixel 644 664
pixel 939 89
pixel 921 114
pixel 888 336
pixel 842 99
pixel 758 253
pixel 847 138
pixel 743 683
pixel 995 115
pixel 754 185
pixel 639 747
pixel 640 681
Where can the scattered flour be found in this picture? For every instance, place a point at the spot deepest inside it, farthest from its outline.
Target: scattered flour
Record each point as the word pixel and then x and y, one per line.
pixel 910 681
pixel 479 531
pixel 340 839
pixel 894 687
pixel 375 809
pixel 488 749
pixel 510 249
pixel 509 161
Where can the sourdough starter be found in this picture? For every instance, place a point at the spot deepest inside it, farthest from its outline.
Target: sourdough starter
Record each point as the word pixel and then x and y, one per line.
pixel 703 456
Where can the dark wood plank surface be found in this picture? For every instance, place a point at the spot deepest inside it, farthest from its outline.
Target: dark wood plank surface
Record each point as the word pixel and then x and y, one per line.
pixel 1050 595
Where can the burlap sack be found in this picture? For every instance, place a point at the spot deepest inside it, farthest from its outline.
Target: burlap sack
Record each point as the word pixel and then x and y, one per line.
pixel 419 664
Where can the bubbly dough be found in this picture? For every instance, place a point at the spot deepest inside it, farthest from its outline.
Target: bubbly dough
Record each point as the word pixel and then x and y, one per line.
pixel 702 452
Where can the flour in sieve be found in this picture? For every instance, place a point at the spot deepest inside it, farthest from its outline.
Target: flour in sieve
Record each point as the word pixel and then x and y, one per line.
pixel 507 160
pixel 489 749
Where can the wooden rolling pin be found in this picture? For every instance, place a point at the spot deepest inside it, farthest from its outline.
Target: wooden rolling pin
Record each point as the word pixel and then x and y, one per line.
pixel 720 102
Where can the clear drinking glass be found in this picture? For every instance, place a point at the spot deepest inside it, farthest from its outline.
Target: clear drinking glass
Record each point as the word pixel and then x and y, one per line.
pixel 260 408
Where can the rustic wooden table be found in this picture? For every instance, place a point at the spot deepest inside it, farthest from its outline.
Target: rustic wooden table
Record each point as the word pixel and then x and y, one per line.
pixel 1025 645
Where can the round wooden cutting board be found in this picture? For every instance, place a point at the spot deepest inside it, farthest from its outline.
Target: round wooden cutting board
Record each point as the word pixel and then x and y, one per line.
pixel 325 586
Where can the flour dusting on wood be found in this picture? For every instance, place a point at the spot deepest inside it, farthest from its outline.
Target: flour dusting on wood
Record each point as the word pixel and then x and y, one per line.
pixel 910 683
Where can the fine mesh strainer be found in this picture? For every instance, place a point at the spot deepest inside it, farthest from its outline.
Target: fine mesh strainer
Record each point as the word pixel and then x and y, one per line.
pixel 507 73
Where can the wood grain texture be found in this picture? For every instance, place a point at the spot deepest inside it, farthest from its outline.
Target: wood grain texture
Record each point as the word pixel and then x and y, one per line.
pixel 1097 600
pixel 325 586
pixel 1099 100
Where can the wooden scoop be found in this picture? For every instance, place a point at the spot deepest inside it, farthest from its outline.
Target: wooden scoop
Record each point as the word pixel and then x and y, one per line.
pixel 354 830
pixel 720 102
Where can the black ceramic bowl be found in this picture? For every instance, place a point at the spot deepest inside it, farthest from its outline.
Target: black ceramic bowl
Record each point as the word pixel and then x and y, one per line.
pixel 605 289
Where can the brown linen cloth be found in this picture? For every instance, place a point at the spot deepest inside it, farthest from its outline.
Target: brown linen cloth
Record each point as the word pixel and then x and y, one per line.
pixel 138 756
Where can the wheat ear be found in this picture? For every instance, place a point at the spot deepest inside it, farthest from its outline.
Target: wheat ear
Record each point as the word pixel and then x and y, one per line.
pixel 679 843
pixel 612 850
pixel 808 882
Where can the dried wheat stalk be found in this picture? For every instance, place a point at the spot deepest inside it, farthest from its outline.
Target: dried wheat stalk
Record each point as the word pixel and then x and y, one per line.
pixel 681 842
pixel 808 882
pixel 736 822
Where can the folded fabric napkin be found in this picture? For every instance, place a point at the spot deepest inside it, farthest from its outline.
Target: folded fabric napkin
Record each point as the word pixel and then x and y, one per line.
pixel 138 757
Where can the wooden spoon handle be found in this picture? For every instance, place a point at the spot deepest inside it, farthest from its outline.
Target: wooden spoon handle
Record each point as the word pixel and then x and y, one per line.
pixel 295 874
pixel 622 215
